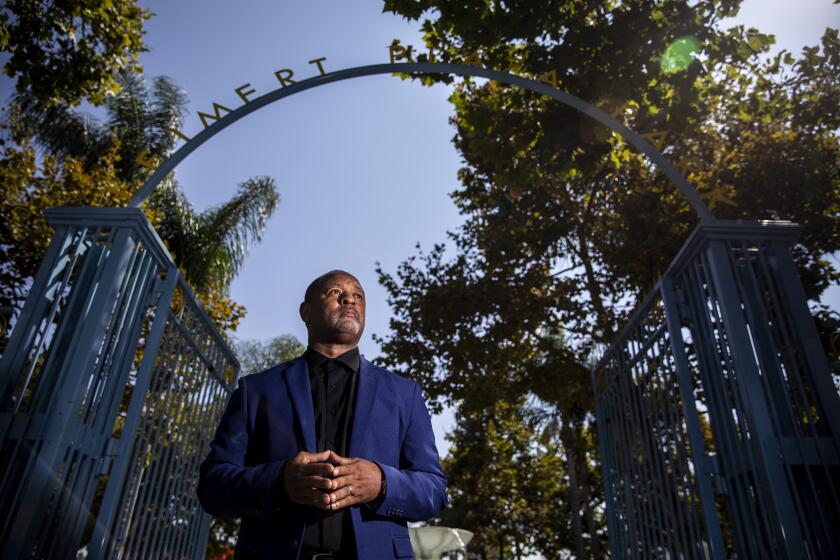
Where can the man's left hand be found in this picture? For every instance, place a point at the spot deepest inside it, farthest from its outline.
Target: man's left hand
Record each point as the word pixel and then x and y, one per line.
pixel 355 481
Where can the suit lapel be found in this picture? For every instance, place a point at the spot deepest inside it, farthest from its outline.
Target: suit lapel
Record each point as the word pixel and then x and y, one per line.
pixel 365 400
pixel 300 392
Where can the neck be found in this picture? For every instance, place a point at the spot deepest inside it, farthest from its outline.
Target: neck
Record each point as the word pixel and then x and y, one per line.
pixel 332 349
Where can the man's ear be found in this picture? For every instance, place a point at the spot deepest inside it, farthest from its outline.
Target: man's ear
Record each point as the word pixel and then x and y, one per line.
pixel 304 311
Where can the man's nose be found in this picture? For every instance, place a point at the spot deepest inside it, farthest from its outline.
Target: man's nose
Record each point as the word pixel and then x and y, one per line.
pixel 346 297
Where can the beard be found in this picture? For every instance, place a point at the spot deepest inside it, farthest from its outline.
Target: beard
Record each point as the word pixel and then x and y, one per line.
pixel 348 325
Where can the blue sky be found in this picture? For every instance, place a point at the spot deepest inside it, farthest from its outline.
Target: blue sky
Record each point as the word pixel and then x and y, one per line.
pixel 364 167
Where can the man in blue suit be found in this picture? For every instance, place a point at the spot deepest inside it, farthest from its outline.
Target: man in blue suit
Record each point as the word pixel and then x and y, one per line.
pixel 326 456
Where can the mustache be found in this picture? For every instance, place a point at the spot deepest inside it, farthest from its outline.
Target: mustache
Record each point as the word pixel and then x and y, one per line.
pixel 350 310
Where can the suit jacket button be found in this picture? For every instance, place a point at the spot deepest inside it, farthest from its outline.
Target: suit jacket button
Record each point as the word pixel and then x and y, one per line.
pixel 293 544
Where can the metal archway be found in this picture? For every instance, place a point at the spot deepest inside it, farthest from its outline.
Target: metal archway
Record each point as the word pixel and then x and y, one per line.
pixel 428 68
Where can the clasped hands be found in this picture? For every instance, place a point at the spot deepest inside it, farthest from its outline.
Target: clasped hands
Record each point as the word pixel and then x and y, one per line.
pixel 329 481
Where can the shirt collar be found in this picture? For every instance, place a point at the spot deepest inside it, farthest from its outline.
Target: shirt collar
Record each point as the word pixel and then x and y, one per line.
pixel 350 358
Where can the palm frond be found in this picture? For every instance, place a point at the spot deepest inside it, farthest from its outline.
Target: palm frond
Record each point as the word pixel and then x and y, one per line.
pixel 178 219
pixel 168 103
pixel 63 131
pixel 226 232
pixel 129 116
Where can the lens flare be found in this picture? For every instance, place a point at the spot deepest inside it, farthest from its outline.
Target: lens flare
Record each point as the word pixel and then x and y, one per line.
pixel 680 54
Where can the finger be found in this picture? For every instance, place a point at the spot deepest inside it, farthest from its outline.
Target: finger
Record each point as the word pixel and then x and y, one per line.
pixel 318 482
pixel 341 494
pixel 318 499
pixel 337 459
pixel 311 497
pixel 319 457
pixel 344 502
pixel 322 469
pixel 344 481
pixel 352 467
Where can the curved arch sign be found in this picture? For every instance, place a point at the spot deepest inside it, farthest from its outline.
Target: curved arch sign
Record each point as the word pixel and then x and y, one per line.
pixel 289 88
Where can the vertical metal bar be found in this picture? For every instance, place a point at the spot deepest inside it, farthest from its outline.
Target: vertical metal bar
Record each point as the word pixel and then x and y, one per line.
pixel 648 534
pixel 184 472
pixel 606 465
pixel 184 475
pixel 776 393
pixel 167 358
pixel 652 464
pixel 163 473
pixel 162 462
pixel 217 407
pixel 74 515
pixel 113 343
pixel 632 492
pixel 116 477
pixel 805 489
pixel 790 533
pixel 199 533
pixel 25 327
pixel 65 337
pixel 60 419
pixel 677 463
pixel 185 424
pixel 711 351
pixel 692 421
pixel 145 294
pixel 808 340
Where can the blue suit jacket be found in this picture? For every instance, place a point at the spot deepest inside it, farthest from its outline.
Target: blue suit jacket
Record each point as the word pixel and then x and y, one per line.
pixel 270 418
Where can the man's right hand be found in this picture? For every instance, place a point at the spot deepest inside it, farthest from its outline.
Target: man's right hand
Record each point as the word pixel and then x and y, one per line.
pixel 307 478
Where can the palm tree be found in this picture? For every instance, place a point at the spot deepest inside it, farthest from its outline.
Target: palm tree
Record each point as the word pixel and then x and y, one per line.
pixel 209 246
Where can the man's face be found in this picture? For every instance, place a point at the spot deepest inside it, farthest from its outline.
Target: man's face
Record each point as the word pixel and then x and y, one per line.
pixel 336 313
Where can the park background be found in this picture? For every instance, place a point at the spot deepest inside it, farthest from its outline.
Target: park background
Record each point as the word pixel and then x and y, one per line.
pixel 364 168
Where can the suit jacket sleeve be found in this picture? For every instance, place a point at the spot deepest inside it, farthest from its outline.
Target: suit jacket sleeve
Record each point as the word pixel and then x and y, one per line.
pixel 416 491
pixel 226 486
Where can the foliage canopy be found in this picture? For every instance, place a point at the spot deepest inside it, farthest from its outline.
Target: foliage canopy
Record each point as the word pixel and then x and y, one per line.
pixel 64 52
pixel 567 228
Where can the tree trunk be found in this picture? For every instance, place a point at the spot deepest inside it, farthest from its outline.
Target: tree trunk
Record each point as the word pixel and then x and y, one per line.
pixel 602 318
pixel 501 546
pixel 569 444
pixel 586 495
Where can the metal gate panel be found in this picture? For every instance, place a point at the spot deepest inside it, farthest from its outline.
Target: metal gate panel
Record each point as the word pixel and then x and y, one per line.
pixel 101 374
pixel 647 436
pixel 756 402
pixel 155 509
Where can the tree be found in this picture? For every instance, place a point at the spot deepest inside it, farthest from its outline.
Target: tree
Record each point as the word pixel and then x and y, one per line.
pixel 259 355
pixel 64 52
pixel 209 247
pixel 85 162
pixel 505 483
pixel 567 228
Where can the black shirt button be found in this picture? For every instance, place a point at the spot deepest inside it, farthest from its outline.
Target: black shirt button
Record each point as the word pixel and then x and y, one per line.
pixel 293 544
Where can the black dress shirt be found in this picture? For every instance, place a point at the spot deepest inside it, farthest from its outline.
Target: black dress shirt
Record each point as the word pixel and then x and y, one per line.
pixel 333 383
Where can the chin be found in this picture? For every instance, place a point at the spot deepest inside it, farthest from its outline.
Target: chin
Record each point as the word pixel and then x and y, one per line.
pixel 348 327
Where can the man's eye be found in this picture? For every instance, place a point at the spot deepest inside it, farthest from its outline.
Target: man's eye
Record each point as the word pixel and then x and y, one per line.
pixel 359 297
